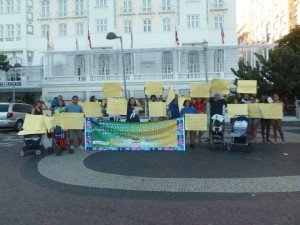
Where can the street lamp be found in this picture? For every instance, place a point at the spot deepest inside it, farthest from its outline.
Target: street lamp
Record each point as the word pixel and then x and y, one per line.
pixel 205 48
pixel 113 36
pixel 9 67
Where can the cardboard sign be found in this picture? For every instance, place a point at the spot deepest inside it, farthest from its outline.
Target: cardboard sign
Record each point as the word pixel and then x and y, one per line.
pixel 154 88
pixel 181 100
pixel 272 111
pixel 200 90
pixel 52 121
pixel 72 121
pixel 157 109
pixel 34 123
pixel 254 110
pixel 112 90
pixel 237 110
pixel 221 86
pixel 117 106
pixel 247 86
pixel 92 109
pixel 195 122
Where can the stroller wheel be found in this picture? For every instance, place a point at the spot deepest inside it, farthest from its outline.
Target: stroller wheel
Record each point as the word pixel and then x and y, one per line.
pixel 22 153
pixel 38 152
pixel 247 149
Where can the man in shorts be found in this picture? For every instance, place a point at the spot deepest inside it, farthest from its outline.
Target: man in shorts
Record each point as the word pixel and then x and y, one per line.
pixel 75 108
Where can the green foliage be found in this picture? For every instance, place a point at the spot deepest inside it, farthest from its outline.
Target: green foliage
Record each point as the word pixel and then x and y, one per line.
pixel 3 62
pixel 281 73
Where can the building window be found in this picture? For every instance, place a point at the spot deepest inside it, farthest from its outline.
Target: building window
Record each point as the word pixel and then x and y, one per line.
pixel 104 65
pixel 18 30
pixel 80 65
pixel 193 21
pixel 147 25
pixel 9 6
pixel 219 22
pixel 166 5
pixel 101 25
pixel 129 65
pixel 10 30
pixel 44 30
pixel 167 62
pixel 62 8
pixel 218 3
pixel 193 62
pixel 79 29
pixel 18 6
pixel 146 5
pixel 127 6
pixel 1 31
pixel 127 26
pixel 101 3
pixel 219 60
pixel 166 24
pixel 45 9
pixel 1 6
pixel 62 31
pixel 79 8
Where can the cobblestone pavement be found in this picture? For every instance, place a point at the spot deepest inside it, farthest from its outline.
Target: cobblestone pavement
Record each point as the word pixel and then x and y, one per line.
pixel 198 186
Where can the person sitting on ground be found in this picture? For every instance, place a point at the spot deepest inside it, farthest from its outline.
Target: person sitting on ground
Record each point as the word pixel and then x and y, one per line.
pixel 75 108
pixel 133 110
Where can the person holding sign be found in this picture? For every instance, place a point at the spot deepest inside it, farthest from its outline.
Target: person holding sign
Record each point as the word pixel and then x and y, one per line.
pixel 133 110
pixel 174 109
pixel 253 122
pixel 200 106
pixel 39 107
pixel 277 123
pixel 188 109
pixel 61 106
pixel 75 108
pixel 265 123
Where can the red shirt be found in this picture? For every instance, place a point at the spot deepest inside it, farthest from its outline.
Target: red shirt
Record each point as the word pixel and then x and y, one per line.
pixel 200 106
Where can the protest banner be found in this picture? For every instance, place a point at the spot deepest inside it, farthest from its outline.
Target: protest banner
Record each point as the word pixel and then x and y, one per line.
pixel 200 90
pixel 272 111
pixel 116 106
pixel 181 100
pixel 72 121
pixel 112 90
pixel 92 109
pixel 52 121
pixel 195 122
pixel 154 88
pixel 237 110
pixel 170 96
pixel 111 135
pixel 254 110
pixel 157 109
pixel 34 123
pixel 221 86
pixel 247 86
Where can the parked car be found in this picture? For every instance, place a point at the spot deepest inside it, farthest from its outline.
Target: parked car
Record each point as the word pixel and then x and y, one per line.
pixel 12 115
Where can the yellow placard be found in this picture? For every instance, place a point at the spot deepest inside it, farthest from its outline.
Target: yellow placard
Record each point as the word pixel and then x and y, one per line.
pixel 92 109
pixel 220 86
pixel 154 88
pixel 157 109
pixel 254 110
pixel 247 86
pixel 116 106
pixel 52 121
pixel 195 122
pixel 237 110
pixel 72 121
pixel 34 123
pixel 112 90
pixel 272 111
pixel 170 97
pixel 200 90
pixel 28 132
pixel 181 100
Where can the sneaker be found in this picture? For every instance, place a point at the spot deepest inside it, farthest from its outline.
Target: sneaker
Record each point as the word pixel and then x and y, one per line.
pixel 80 147
pixel 71 149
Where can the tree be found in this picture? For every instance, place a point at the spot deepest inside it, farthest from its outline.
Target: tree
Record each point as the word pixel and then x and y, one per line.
pixel 3 62
pixel 281 73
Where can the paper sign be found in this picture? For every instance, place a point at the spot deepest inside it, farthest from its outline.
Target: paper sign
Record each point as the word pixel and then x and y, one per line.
pixel 52 121
pixel 112 90
pixel 170 97
pixel 116 106
pixel 154 88
pixel 237 110
pixel 27 132
pixel 92 109
pixel 220 86
pixel 247 86
pixel 200 90
pixel 34 123
pixel 254 110
pixel 157 109
pixel 181 100
pixel 272 111
pixel 195 122
pixel 72 121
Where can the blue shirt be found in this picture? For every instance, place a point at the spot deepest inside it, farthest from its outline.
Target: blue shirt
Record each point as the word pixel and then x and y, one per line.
pixel 173 107
pixel 188 110
pixel 74 108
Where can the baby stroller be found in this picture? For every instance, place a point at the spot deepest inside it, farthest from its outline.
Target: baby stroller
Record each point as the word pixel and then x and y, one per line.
pixel 59 139
pixel 240 132
pixel 32 143
pixel 217 131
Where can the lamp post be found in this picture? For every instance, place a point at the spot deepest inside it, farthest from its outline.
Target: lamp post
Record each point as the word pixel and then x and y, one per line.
pixel 9 67
pixel 113 36
pixel 205 48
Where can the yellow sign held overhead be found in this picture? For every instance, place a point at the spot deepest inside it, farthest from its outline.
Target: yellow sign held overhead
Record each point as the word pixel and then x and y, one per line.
pixel 200 90
pixel 92 109
pixel 157 109
pixel 247 86
pixel 221 86
pixel 112 90
pixel 272 111
pixel 116 106
pixel 195 122
pixel 237 110
pixel 154 88
pixel 72 121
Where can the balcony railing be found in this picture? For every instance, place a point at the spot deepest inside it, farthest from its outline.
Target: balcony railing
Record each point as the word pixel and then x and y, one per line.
pixel 44 16
pixel 126 11
pixel 218 6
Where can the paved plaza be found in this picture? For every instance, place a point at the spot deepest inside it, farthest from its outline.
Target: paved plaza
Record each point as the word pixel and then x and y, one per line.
pixel 198 186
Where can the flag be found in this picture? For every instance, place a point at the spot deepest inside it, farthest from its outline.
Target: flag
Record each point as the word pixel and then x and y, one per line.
pixel 77 46
pixel 48 43
pixel 267 35
pixel 89 39
pixel 222 35
pixel 131 37
pixel 176 37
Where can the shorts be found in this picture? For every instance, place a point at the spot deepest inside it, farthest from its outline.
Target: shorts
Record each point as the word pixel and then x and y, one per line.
pixel 73 134
pixel 255 120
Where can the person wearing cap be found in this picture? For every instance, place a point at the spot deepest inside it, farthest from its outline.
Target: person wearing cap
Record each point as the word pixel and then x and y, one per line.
pixel 75 108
